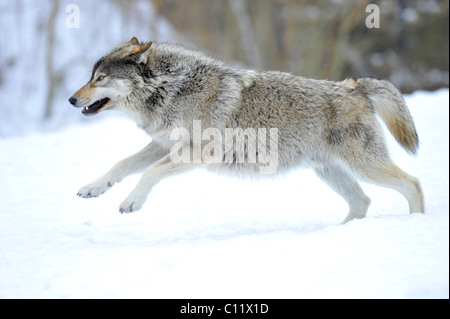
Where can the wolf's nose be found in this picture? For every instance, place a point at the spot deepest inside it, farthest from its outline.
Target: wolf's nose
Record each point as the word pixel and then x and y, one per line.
pixel 72 100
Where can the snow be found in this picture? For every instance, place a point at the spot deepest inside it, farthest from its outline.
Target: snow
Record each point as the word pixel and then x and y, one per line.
pixel 201 235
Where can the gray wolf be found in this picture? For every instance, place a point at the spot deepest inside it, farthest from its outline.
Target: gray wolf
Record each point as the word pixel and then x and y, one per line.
pixel 328 126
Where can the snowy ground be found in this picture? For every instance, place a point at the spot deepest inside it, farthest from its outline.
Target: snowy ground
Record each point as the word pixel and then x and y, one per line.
pixel 206 236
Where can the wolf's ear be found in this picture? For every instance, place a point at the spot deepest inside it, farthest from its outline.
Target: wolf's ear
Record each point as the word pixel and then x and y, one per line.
pixel 142 52
pixel 134 40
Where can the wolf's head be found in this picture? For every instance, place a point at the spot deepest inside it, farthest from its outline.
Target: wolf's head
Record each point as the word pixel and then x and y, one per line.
pixel 113 78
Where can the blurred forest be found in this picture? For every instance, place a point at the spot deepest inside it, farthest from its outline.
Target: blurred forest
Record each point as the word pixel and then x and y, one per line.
pixel 43 61
pixel 323 39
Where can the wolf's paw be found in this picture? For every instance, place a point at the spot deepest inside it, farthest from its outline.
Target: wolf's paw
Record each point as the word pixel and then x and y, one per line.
pixel 94 189
pixel 131 204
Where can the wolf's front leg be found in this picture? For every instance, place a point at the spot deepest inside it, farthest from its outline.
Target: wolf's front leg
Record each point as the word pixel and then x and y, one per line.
pixel 159 170
pixel 134 164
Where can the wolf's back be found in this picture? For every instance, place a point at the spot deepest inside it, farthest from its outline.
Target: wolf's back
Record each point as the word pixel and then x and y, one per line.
pixel 390 106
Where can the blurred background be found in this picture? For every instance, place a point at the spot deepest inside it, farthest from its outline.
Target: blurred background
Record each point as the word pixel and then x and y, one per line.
pixel 47 48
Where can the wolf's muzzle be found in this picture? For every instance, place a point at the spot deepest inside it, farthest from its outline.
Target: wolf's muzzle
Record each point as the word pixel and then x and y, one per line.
pixel 72 100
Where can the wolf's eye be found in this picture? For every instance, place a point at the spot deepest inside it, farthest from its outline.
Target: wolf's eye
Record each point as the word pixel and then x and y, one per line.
pixel 100 78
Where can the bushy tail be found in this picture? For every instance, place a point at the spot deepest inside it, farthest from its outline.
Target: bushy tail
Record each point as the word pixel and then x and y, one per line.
pixel 390 106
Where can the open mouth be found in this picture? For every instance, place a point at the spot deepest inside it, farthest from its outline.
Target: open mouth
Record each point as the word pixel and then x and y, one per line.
pixel 95 107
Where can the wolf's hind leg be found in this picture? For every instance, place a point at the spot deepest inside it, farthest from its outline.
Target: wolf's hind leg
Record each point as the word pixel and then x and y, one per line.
pixel 345 185
pixel 389 175
pixel 133 164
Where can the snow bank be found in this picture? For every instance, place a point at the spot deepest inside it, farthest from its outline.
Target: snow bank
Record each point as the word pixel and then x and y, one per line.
pixel 206 236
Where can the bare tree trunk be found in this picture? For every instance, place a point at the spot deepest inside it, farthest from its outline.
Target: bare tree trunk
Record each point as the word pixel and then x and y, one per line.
pixel 51 77
pixel 246 32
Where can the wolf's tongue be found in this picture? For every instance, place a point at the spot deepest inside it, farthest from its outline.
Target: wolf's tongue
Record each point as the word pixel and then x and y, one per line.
pixel 93 108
